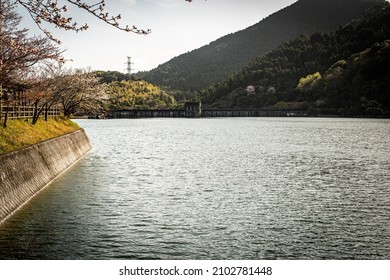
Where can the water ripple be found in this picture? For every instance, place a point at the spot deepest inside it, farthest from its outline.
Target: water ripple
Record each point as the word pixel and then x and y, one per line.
pixel 217 189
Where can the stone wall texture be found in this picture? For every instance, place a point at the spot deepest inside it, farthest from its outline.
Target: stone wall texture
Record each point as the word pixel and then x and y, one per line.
pixel 25 172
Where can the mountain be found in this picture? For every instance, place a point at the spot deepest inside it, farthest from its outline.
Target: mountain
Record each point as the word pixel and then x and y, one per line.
pixel 345 72
pixel 213 63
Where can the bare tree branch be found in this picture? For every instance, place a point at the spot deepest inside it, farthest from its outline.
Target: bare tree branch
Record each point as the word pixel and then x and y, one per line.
pixel 19 52
pixel 52 12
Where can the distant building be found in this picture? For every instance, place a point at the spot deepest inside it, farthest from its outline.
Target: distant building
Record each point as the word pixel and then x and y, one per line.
pixel 193 109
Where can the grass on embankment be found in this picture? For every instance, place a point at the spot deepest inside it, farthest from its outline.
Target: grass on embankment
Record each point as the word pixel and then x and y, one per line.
pixel 20 133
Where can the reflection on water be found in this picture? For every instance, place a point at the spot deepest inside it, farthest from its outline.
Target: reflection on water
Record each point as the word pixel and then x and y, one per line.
pixel 246 188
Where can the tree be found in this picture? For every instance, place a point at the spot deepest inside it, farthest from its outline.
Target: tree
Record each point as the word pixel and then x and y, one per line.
pixel 309 80
pixel 80 90
pixel 42 89
pixel 18 52
pixel 72 89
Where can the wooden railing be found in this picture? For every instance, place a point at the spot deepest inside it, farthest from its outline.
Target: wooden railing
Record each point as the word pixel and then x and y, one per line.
pixel 25 112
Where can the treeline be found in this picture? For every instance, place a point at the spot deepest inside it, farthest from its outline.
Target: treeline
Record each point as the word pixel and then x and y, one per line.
pixel 302 73
pixel 112 76
pixel 132 94
pixel 212 63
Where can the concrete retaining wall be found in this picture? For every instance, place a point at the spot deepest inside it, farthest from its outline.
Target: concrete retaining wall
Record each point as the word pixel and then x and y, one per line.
pixel 25 172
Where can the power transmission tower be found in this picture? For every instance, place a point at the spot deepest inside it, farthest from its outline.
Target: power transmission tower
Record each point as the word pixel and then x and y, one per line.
pixel 129 63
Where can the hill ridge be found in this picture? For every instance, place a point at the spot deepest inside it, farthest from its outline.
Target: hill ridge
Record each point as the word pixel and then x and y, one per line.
pixel 214 62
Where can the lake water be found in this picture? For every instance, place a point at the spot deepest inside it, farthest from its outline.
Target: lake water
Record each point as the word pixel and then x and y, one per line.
pixel 241 188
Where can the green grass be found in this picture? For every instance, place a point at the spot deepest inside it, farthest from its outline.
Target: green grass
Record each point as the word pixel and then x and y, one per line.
pixel 20 133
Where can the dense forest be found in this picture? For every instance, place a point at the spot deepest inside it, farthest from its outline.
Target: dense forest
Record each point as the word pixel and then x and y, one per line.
pixel 138 95
pixel 198 69
pixel 126 92
pixel 343 72
pixel 356 86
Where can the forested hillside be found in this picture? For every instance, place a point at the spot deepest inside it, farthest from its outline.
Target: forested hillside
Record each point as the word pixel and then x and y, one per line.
pixel 342 72
pixel 213 63
pixel 125 92
pixel 356 86
pixel 126 95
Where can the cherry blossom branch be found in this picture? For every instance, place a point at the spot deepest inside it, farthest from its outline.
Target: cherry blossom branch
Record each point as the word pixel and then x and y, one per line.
pixel 52 12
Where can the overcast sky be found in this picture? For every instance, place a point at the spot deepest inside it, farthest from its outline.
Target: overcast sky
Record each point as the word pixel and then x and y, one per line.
pixel 177 27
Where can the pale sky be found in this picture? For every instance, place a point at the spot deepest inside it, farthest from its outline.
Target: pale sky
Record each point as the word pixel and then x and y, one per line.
pixel 177 27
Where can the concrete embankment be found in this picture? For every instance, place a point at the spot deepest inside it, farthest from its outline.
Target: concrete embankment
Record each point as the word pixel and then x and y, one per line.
pixel 25 172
